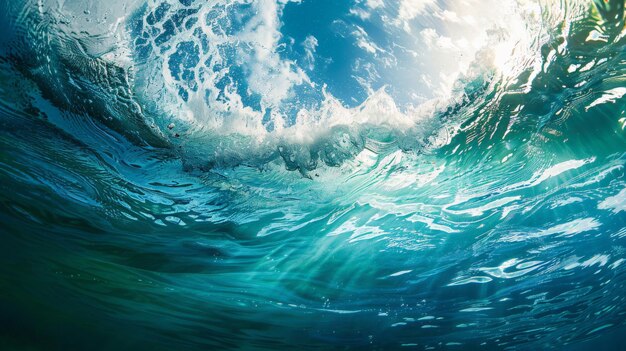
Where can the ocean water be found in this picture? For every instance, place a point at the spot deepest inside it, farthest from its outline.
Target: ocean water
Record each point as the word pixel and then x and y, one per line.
pixel 312 174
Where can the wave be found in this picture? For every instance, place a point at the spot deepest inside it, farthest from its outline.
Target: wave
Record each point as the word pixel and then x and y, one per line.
pixel 263 174
pixel 224 85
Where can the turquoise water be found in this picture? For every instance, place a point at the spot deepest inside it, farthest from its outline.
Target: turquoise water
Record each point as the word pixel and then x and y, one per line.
pixel 312 175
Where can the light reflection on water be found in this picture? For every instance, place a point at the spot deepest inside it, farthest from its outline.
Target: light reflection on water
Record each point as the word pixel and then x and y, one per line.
pixel 501 227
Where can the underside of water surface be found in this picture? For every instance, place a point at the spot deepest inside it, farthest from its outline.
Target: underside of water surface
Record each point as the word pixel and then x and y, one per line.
pixel 312 174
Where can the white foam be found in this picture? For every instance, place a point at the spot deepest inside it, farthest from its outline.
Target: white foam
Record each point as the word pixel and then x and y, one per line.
pixel 490 30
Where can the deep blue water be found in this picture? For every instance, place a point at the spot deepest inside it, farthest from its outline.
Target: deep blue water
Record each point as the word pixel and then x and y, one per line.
pixel 314 174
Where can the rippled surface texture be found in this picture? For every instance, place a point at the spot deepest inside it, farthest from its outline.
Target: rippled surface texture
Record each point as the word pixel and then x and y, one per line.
pixel 312 174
